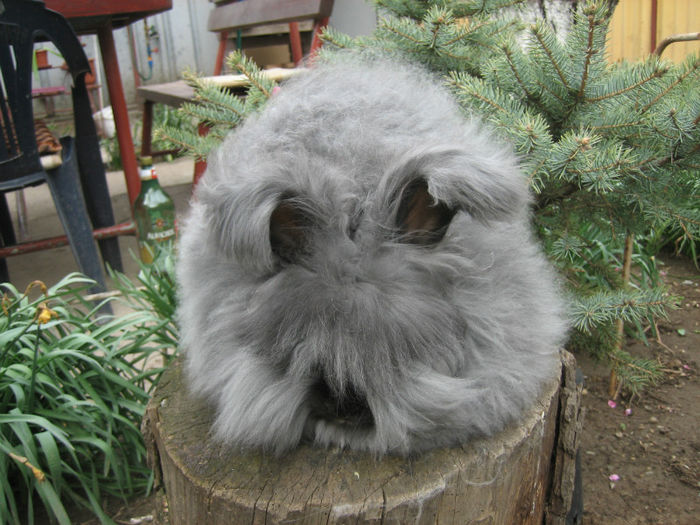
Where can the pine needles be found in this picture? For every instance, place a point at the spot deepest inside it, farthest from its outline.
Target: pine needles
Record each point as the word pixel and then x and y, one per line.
pixel 216 110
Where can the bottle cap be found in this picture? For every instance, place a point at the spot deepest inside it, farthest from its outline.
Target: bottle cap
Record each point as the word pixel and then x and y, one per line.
pixel 145 161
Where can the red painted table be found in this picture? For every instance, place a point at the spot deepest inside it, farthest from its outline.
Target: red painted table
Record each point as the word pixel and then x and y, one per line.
pixel 101 17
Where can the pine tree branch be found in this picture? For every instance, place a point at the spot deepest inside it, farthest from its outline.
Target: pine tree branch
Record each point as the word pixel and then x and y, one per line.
pixel 509 58
pixel 549 90
pixel 336 39
pixel 406 36
pixel 590 51
pixel 462 34
pixel 607 127
pixel 686 37
pixel 437 25
pixel 252 72
pixel 198 147
pixel 681 218
pixel 211 117
pixel 488 101
pixel 658 73
pixel 222 105
pixel 534 172
pixel 536 30
pixel 209 93
pixel 671 86
pixel 605 307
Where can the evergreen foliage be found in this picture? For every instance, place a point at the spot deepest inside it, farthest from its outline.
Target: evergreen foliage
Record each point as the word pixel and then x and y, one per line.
pixel 611 151
pixel 218 109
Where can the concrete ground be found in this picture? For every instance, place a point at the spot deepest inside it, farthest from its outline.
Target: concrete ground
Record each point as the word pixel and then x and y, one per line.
pixel 50 266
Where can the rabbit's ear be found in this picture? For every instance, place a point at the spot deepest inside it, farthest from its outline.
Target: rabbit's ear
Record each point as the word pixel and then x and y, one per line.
pixel 488 187
pixel 420 218
pixel 289 230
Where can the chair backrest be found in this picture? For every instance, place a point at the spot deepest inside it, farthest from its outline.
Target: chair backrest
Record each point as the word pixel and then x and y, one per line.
pixel 227 15
pixel 22 22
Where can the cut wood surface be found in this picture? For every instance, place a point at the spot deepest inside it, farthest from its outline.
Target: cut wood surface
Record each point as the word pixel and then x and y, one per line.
pixel 505 479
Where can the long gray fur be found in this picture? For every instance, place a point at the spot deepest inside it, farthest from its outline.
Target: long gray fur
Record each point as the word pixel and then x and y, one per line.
pixel 416 343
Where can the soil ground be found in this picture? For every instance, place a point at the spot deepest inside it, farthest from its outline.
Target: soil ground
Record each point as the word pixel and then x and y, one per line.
pixel 655 451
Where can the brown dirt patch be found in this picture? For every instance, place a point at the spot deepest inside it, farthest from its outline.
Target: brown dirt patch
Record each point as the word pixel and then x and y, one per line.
pixel 656 450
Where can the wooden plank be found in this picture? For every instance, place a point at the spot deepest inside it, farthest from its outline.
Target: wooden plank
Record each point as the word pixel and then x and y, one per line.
pixel 87 16
pixel 171 93
pixel 630 37
pixel 238 81
pixel 248 13
pixel 273 29
pixel 48 91
pixel 88 8
pixel 176 93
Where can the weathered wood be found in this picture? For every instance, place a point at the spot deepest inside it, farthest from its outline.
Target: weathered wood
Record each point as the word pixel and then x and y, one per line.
pixel 242 15
pixel 564 502
pixel 506 479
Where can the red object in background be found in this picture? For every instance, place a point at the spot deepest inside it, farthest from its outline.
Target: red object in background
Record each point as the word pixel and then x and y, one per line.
pixel 86 15
pixel 42 59
pixel 101 17
pixel 127 228
pixel 200 166
pixel 90 77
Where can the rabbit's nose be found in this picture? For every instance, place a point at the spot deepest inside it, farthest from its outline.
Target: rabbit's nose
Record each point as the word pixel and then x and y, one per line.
pixel 348 407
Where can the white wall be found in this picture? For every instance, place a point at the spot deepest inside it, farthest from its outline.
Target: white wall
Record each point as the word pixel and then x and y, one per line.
pixel 353 17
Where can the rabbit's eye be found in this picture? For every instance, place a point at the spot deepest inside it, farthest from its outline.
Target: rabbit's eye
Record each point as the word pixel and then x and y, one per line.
pixel 290 226
pixel 420 219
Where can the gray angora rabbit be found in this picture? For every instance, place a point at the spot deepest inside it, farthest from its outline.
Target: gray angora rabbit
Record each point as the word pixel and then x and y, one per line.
pixel 358 271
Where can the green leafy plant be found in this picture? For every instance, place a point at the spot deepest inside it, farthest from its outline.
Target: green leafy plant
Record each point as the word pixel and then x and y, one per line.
pixel 73 389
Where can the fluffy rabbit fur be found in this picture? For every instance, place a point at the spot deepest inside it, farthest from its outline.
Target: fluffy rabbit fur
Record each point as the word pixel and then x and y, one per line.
pixel 358 271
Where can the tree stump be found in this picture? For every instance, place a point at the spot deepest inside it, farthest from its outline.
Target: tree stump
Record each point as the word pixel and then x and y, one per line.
pixel 523 475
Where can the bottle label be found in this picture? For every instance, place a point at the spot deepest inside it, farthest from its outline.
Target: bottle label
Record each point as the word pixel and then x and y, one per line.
pixel 161 235
pixel 155 227
pixel 147 173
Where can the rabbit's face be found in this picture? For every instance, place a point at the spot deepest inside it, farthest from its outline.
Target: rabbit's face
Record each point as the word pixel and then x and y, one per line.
pixel 358 270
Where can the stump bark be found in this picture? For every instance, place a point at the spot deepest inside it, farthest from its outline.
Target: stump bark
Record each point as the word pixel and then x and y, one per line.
pixel 523 475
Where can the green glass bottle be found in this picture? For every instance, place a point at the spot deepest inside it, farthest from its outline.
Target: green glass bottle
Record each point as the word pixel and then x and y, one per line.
pixel 154 213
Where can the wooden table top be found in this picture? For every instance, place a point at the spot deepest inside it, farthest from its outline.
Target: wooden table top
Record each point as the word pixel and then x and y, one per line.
pixel 87 15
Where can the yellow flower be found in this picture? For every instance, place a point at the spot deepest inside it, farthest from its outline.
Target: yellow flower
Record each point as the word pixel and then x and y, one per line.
pixel 38 473
pixel 6 303
pixel 45 314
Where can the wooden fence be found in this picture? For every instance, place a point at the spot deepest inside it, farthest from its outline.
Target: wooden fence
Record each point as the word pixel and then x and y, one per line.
pixel 638 26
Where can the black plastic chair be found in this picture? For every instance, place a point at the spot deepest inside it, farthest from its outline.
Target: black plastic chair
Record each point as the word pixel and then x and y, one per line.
pixel 78 185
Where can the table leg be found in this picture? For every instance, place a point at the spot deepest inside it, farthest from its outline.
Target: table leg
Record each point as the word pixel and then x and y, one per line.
pixel 146 129
pixel 316 41
pixel 220 54
pixel 121 115
pixel 295 43
pixel 200 166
